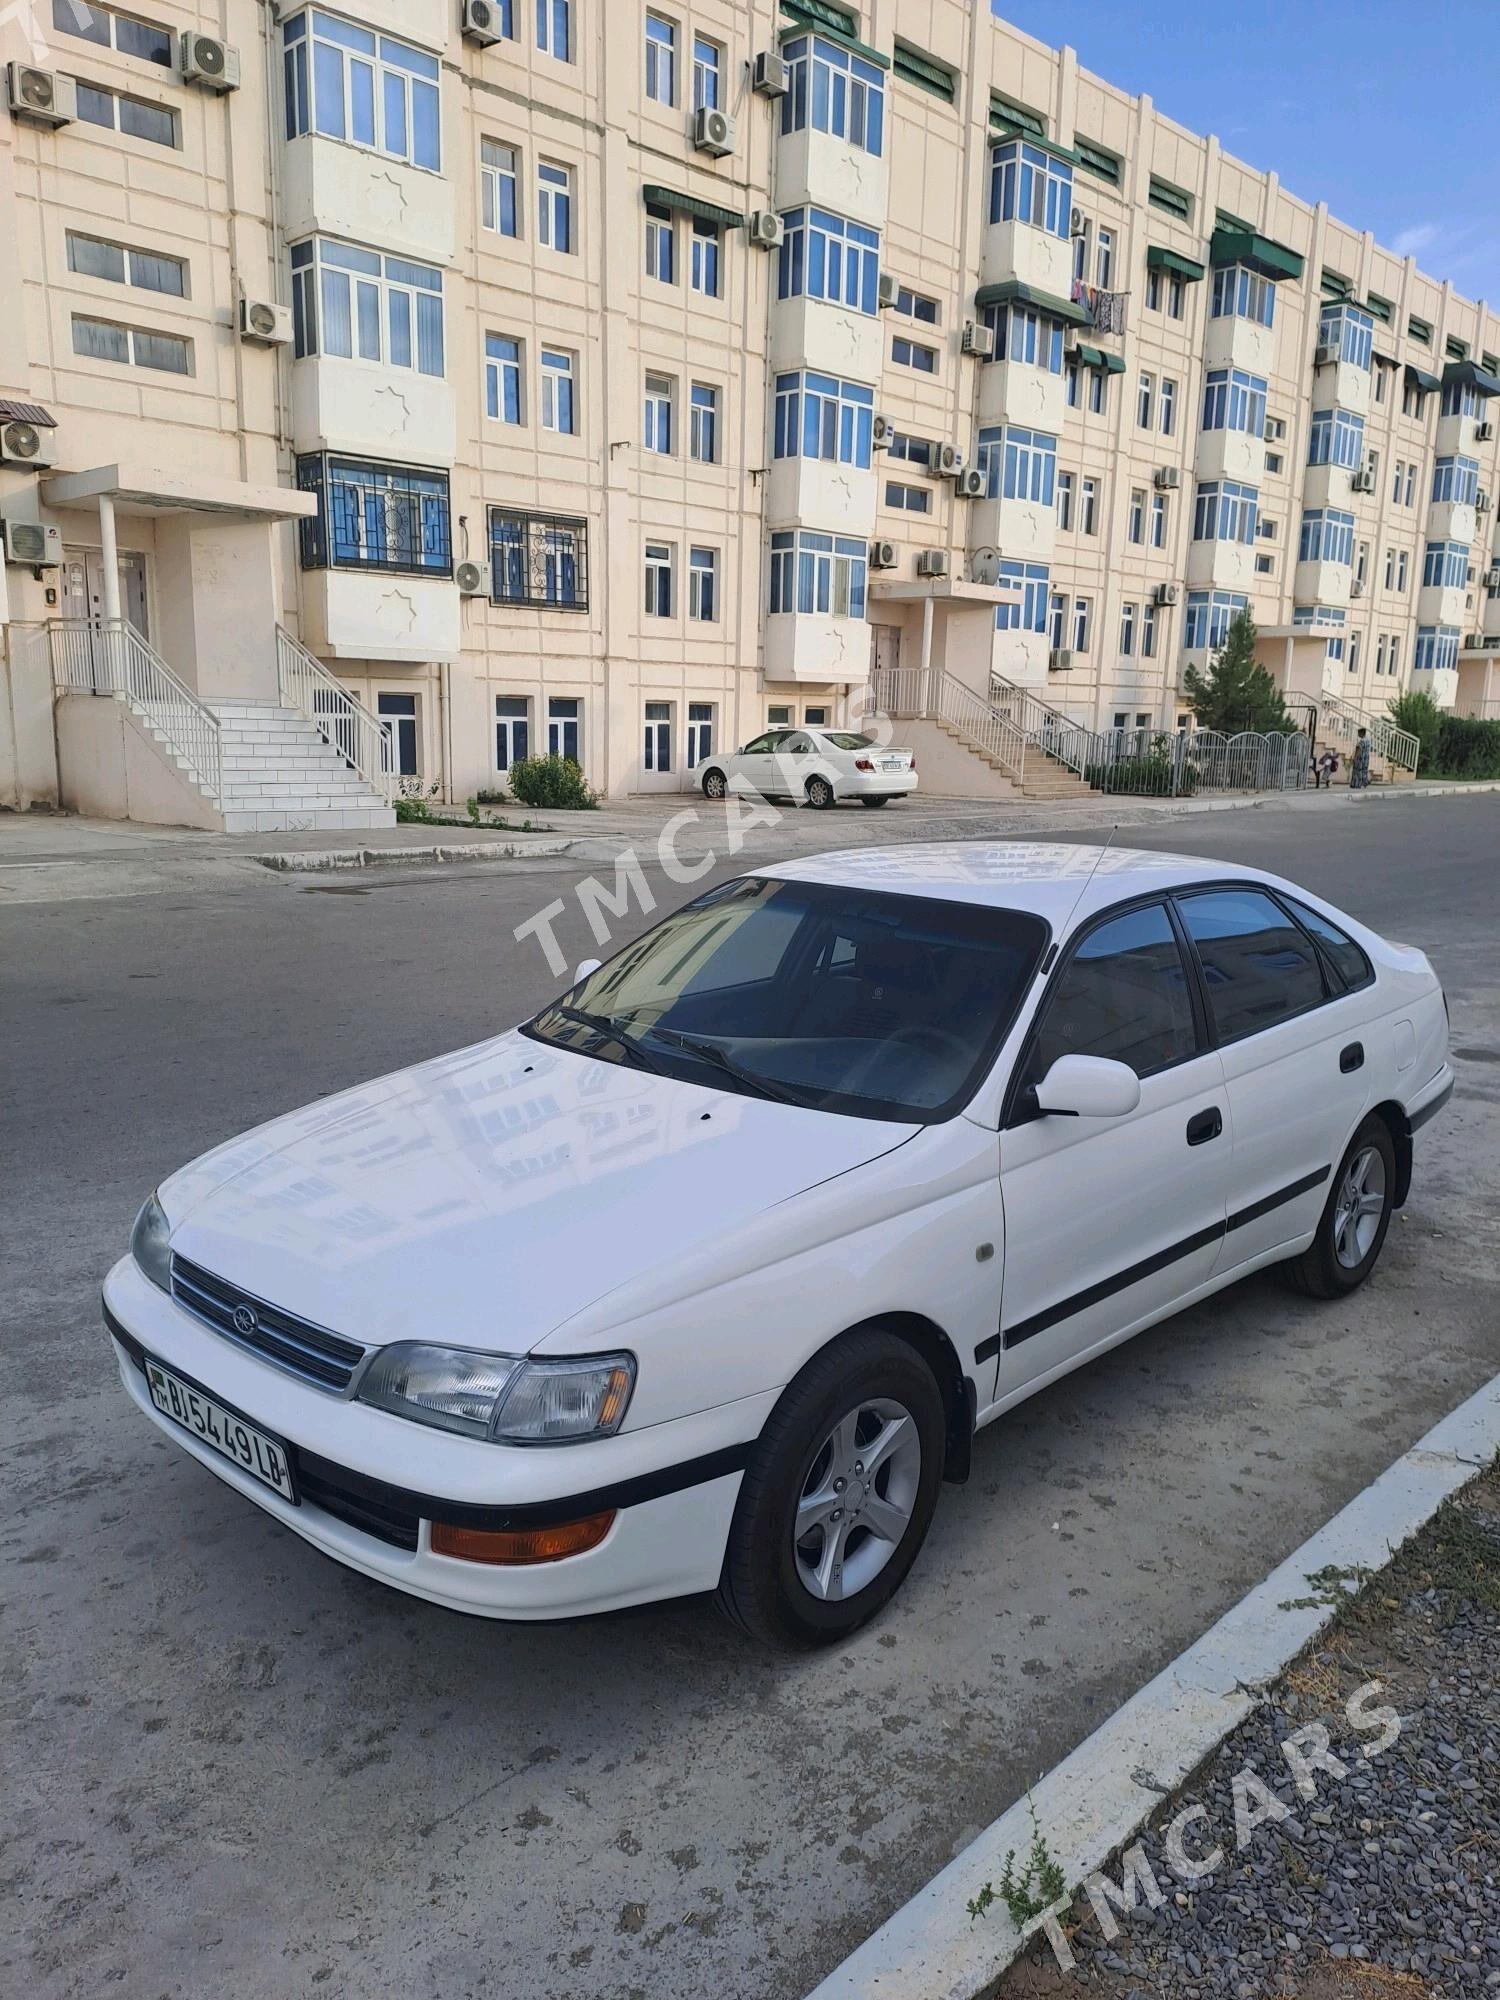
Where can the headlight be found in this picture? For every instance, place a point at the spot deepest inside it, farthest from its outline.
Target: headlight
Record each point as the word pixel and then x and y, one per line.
pixel 502 1397
pixel 148 1244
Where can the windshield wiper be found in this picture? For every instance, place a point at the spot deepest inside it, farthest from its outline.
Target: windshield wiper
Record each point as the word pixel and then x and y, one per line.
pixel 721 1059
pixel 604 1024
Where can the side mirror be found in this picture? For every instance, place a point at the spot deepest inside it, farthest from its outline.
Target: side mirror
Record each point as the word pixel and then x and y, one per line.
pixel 584 967
pixel 1088 1087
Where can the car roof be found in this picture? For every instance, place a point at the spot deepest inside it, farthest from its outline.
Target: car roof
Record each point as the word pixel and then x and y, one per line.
pixel 1049 878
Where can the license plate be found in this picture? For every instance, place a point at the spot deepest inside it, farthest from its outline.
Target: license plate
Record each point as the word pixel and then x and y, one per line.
pixel 893 763
pixel 264 1458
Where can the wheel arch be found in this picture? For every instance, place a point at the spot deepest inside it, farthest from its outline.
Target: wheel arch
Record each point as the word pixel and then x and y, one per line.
pixel 1396 1122
pixel 960 1397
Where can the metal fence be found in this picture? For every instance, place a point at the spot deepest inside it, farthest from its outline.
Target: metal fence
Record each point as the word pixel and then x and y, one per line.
pixel 1156 763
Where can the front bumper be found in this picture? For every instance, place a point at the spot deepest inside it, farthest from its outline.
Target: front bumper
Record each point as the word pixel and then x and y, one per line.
pixel 372 1484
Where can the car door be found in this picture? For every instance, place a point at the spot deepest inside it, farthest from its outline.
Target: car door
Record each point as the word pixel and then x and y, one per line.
pixel 1109 1221
pixel 792 763
pixel 1293 1049
pixel 755 765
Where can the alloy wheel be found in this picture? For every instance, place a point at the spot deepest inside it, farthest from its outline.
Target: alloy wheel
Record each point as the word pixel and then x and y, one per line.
pixel 857 1499
pixel 1360 1205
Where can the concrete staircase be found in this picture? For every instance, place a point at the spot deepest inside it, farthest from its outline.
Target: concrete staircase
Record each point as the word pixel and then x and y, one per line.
pixel 1042 777
pixel 278 774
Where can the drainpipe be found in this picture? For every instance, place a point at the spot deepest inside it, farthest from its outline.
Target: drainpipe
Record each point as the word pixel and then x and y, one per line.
pixel 445 725
pixel 926 684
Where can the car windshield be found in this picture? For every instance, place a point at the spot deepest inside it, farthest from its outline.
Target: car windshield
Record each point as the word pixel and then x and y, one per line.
pixel 882 1006
pixel 841 739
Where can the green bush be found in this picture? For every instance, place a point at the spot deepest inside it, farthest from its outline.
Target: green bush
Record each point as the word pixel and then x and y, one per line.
pixel 555 782
pixel 1417 712
pixel 1146 776
pixel 1466 748
pixel 411 812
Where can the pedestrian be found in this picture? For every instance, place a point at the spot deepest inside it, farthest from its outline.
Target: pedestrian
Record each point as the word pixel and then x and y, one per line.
pixel 1359 770
pixel 1326 768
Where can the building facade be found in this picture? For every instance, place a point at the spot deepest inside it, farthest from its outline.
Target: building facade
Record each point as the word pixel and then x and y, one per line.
pixel 621 379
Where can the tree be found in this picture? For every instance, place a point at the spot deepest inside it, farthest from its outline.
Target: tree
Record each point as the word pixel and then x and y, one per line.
pixel 1235 693
pixel 1417 712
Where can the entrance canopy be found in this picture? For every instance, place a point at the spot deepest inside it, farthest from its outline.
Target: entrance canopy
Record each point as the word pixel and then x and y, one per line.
pixel 137 490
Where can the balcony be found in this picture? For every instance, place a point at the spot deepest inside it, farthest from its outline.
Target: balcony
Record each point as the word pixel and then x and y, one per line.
pixel 810 492
pixel 1329 486
pixel 1322 583
pixel 1221 565
pixel 818 169
pixel 833 339
pixel 359 406
pixel 1235 342
pixel 1341 385
pixel 1022 529
pixel 335 189
pixel 352 614
pixel 1452 521
pixel 1439 604
pixel 1227 454
pixel 805 646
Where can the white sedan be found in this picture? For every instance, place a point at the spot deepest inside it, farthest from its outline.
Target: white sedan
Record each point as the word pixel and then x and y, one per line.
pixel 817 767
pixel 704 1278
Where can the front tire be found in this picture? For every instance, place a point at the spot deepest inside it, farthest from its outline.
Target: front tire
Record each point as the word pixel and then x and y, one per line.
pixel 838 1496
pixel 1355 1218
pixel 819 794
pixel 715 784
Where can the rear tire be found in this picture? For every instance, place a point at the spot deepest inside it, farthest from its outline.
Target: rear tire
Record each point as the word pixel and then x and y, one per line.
pixel 1355 1218
pixel 715 784
pixel 883 800
pixel 820 794
pixel 878 1394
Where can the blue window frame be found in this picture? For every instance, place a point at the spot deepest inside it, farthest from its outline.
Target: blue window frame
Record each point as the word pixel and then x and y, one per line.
pixel 818 416
pixel 1318 615
pixel 1028 185
pixel 1240 293
pixel 1455 481
pixel 1349 330
pixel 823 575
pixel 1210 613
pixel 346 82
pixel 554 28
pixel 1234 401
pixel 1436 649
pixel 825 257
pixel 834 91
pixel 1023 334
pixel 1337 437
pixel 502 378
pixel 1445 566
pixel 1027 610
pixel 1327 536
pixel 374 516
pixel 362 306
pixel 539 559
pixel 1018 464
pixel 1226 511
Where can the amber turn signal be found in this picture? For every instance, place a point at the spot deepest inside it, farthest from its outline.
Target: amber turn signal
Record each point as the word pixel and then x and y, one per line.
pixel 522 1545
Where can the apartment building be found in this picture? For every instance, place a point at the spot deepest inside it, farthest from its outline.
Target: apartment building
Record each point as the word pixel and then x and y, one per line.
pixel 620 379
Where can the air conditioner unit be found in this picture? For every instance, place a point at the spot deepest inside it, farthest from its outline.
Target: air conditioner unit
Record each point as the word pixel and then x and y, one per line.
pixel 979 340
pixel 1492 579
pixel 1324 354
pixel 1481 502
pixel 769 74
pixel 1166 479
pixel 1356 588
pixel 1484 430
pixel 1474 642
pixel 1080 224
pixel 888 290
pixel 932 562
pixel 40 95
pixel 26 444
pixel 1164 593
pixel 970 484
pixel 210 63
pixel 266 324
pixel 33 544
pixel 882 430
pixel 471 579
pixel 883 555
pixel 478 21
pixel 1059 659
pixel 713 131
pixel 1362 481
pixel 948 460
pixel 765 229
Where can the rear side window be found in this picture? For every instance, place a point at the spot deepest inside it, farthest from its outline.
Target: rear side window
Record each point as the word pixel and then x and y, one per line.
pixel 1123 994
pixel 1259 968
pixel 1353 968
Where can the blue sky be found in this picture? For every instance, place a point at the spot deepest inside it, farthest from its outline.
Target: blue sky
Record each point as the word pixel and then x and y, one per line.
pixel 1384 111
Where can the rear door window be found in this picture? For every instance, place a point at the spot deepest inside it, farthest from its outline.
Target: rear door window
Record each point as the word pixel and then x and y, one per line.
pixel 1346 957
pixel 1258 966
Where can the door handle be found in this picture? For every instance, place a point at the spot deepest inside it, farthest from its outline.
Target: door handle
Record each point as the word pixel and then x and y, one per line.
pixel 1205 1125
pixel 1352 1057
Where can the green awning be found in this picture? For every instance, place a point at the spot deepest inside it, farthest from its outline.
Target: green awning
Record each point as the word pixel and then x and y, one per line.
pixel 812 24
pixel 1245 246
pixel 1002 130
pixel 690 204
pixel 1013 292
pixel 1420 379
pixel 912 66
pixel 1096 358
pixel 1159 258
pixel 1473 376
pixel 822 14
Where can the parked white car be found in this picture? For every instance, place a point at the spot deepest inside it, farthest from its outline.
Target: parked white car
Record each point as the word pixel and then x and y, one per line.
pixel 817 767
pixel 704 1278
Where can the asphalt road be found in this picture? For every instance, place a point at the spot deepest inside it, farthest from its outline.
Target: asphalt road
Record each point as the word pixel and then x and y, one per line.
pixel 236 1768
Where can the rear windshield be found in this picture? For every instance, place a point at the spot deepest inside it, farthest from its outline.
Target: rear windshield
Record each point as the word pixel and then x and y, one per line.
pixel 842 740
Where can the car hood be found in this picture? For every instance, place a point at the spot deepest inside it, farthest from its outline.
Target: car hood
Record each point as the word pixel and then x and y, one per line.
pixel 488 1196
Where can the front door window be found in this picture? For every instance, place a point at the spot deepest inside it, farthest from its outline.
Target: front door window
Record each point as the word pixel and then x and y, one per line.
pixel 700 732
pixel 564 716
pixel 658 736
pixel 398 712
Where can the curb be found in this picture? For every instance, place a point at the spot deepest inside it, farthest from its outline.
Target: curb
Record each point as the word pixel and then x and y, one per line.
pixel 308 861
pixel 1091 1803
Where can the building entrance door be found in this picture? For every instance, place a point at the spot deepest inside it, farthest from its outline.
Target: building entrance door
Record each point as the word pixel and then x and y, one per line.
pixel 81 598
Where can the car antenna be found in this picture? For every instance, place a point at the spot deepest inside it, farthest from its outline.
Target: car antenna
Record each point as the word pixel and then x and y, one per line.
pixel 1055 947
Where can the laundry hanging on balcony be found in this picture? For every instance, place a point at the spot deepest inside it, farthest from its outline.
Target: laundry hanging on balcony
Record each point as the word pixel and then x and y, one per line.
pixel 1106 310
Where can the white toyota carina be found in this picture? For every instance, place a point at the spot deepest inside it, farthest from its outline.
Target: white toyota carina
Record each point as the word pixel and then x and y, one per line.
pixel 815 767
pixel 704 1278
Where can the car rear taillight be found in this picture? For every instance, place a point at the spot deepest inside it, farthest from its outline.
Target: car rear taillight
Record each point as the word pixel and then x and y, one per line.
pixel 863 764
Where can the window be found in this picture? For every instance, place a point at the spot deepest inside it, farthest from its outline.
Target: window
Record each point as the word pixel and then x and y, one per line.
pixel 1382 381
pixel 1380 654
pixel 703 423
pixel 1124 995
pixel 1176 295
pixel 1127 630
pixel 1028 185
pixel 1104 259
pixel 703 270
pixel 1153 289
pixel 374 516
pixel 1065 501
pixel 774 716
pixel 1455 481
pixel 1412 399
pixel 658 579
pixel 564 726
pixel 499 187
pixel 703 593
pixel 1460 399
pixel 538 559
pixel 1018 464
pixel 824 257
pixel 907 499
pixel 109 30
pixel 346 82
pixel 1402 558
pixel 1088 507
pixel 1445 566
pixel 1136 524
pixel 1057 619
pixel 1259 968
pixel 658 419
pixel 1436 649
pixel 1337 437
pixel 1395 658
pixel 1398 471
pixel 398 716
pixel 661 60
pixel 815 718
pixel 818 416
pixel 1098 391
pixel 1346 957
pixel 1148 630
pixel 1082 614
pixel 1145 401
pixel 1411 484
pixel 1210 613
pixel 134 116
pixel 1171 200
pixel 1083 236
pixel 1240 293
pixel 913 450
pixel 700 733
pixel 1235 401
pixel 558 412
pixel 1225 512
pixel 1362 563
pixel 916 305
pixel 1327 536
pixel 1026 610
pixel 1349 331
pixel 912 354
pixel 146 270
pixel 824 574
pixel 661 237
pixel 135 346
pixel 554 198
pixel 1167 404
pixel 1023 334
pixel 1071 375
pixel 1159 505
pixel 362 306
pixel 835 91
pixel 708 65
pixel 502 378
pixel 512 730
pixel 554 28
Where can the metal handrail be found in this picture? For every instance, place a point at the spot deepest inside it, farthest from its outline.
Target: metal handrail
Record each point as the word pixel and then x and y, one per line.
pixel 1342 720
pixel 107 656
pixel 1057 735
pixel 913 691
pixel 341 718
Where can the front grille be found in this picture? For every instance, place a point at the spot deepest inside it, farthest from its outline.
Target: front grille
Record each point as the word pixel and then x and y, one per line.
pixel 294 1344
